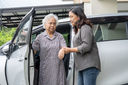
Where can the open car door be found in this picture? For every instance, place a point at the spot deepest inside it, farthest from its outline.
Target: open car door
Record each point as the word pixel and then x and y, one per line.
pixel 20 64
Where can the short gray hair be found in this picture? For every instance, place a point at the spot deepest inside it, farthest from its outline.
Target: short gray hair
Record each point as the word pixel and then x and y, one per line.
pixel 47 17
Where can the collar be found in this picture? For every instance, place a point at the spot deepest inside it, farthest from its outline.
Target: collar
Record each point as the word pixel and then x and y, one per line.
pixel 46 35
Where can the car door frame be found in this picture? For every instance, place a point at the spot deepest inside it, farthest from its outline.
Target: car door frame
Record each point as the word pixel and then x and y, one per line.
pixel 29 15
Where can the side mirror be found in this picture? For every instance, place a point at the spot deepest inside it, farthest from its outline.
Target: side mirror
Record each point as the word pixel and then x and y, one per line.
pixel 5 49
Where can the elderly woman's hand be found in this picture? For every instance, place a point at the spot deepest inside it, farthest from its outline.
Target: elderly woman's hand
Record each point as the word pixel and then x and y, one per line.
pixel 61 54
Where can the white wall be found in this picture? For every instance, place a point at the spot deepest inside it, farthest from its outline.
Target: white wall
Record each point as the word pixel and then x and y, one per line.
pixel 96 7
pixel 25 3
pixel 104 6
pixel 122 7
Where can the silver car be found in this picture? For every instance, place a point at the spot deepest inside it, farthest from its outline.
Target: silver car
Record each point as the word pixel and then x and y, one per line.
pixel 19 66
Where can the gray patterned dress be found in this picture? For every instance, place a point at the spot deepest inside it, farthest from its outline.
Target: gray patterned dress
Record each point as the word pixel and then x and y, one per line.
pixel 52 70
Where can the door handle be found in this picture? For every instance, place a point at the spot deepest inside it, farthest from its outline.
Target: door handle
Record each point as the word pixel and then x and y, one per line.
pixel 20 59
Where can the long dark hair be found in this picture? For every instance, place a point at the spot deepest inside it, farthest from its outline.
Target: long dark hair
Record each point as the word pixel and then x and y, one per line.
pixel 83 19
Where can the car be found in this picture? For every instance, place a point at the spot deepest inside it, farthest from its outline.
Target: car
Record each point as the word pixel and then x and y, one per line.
pixel 19 65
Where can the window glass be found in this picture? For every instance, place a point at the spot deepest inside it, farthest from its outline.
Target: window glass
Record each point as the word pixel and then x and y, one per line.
pixel 21 38
pixel 110 31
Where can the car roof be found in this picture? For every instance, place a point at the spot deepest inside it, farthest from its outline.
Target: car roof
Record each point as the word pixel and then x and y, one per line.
pixel 95 19
pixel 104 18
pixel 109 18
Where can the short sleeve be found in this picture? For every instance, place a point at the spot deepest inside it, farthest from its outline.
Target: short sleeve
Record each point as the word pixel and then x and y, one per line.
pixel 62 41
pixel 36 43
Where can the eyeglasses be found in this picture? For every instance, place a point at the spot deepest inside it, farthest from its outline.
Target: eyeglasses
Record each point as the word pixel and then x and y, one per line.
pixel 52 23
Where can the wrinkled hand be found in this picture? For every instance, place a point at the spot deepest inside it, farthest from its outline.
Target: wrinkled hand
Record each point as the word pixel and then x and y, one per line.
pixel 61 54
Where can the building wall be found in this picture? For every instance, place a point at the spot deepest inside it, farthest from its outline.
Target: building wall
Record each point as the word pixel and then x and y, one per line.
pixel 79 1
pixel 122 5
pixel 122 0
pixel 26 3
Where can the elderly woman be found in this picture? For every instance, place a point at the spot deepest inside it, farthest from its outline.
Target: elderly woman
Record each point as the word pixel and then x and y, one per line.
pixel 49 43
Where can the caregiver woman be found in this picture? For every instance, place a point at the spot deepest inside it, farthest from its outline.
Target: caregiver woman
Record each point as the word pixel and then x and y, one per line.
pixel 85 50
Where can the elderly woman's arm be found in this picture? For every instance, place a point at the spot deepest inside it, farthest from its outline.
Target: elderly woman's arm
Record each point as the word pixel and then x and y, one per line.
pixel 62 45
pixel 36 44
pixel 35 51
pixel 61 54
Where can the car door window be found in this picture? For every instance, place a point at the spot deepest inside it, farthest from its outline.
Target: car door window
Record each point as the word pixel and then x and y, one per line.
pixel 97 33
pixel 21 38
pixel 110 31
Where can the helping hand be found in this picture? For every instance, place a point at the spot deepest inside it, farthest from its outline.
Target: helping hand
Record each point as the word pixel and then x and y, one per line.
pixel 66 50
